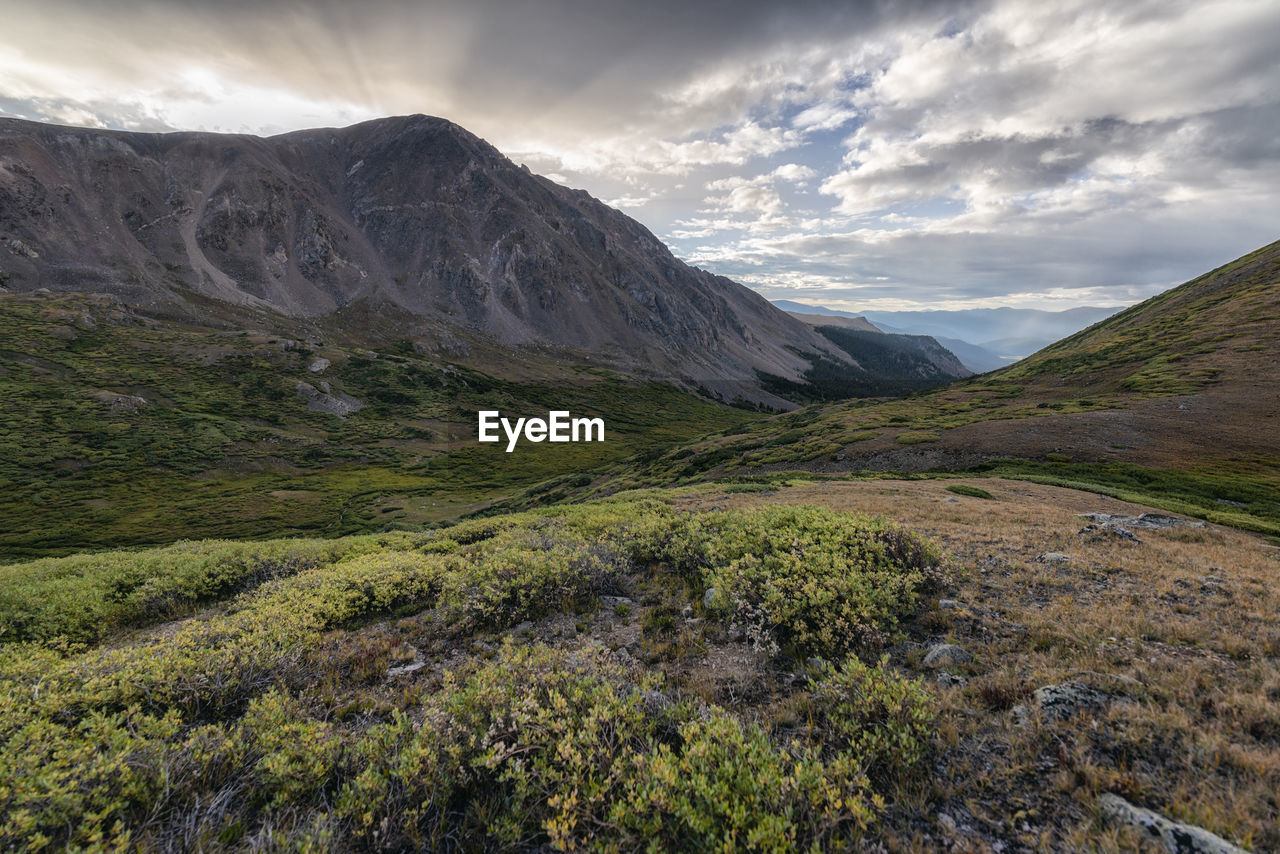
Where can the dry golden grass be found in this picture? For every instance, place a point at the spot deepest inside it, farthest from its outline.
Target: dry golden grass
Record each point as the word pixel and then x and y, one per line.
pixel 1181 629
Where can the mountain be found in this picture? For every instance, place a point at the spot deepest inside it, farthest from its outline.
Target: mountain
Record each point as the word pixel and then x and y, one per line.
pixel 891 363
pixel 405 228
pixel 804 308
pixel 821 319
pixel 973 358
pixel 1173 401
pixel 976 358
pixel 1011 333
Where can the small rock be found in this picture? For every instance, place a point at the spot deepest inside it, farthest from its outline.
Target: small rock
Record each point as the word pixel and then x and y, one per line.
pixel 949 604
pixel 318 366
pixel 1069 699
pixel 709 597
pixel 950 680
pixel 522 627
pixel 1177 838
pixel 1053 557
pixel 1101 530
pixel 947 823
pixel 615 601
pixel 654 702
pixel 406 668
pixel 945 655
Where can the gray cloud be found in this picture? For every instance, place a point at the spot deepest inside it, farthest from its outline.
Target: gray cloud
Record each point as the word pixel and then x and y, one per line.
pixel 877 153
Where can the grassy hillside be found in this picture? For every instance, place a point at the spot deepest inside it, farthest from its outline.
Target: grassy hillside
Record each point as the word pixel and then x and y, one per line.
pixel 118 430
pixel 1168 402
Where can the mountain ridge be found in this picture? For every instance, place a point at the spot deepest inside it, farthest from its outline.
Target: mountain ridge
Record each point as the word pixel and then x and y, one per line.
pixel 422 229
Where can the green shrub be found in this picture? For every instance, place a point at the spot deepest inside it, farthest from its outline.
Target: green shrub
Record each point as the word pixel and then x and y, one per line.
pixel 869 713
pixel 87 597
pixel 917 437
pixel 971 491
pixel 244 726
pixel 813 580
pixel 564 750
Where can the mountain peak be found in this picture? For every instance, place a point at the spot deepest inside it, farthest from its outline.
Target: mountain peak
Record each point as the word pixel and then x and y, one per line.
pixel 411 222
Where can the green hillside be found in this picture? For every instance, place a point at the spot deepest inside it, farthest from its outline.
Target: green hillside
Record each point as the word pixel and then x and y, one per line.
pixel 118 430
pixel 1089 411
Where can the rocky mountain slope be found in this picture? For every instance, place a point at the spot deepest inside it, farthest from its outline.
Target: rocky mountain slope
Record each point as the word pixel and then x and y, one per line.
pixel 396 228
pixel 975 359
pixel 900 355
pixel 859 323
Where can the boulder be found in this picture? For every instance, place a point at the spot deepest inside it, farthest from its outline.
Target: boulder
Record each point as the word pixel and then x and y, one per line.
pixel 1069 699
pixel 1053 557
pixel 334 404
pixel 318 366
pixel 1177 838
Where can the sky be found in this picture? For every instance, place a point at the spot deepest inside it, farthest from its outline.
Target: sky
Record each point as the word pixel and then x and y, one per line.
pixel 858 155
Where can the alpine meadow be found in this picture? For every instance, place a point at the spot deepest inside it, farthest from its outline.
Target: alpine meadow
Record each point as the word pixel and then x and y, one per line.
pixel 880 455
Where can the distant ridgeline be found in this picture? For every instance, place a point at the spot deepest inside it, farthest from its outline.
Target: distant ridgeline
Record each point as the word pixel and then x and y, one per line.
pixel 888 365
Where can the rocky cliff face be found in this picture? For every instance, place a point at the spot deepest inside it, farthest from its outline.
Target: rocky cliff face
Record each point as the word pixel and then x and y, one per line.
pixel 412 225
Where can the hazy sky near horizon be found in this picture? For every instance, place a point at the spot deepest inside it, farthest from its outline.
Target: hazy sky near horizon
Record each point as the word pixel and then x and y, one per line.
pixel 860 155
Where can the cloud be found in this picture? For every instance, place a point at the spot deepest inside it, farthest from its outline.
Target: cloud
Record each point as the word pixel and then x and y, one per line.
pixel 926 152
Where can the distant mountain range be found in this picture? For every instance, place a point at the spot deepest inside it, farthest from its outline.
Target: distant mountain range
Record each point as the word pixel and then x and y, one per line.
pixel 983 338
pixel 899 363
pixel 399 229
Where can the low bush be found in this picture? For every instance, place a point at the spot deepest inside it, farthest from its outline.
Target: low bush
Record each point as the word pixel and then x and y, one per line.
pixel 806 579
pixel 257 726
pixel 971 491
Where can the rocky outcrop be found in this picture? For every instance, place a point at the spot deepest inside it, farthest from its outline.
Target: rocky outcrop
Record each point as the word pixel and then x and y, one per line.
pixel 1149 521
pixel 1177 838
pixel 325 401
